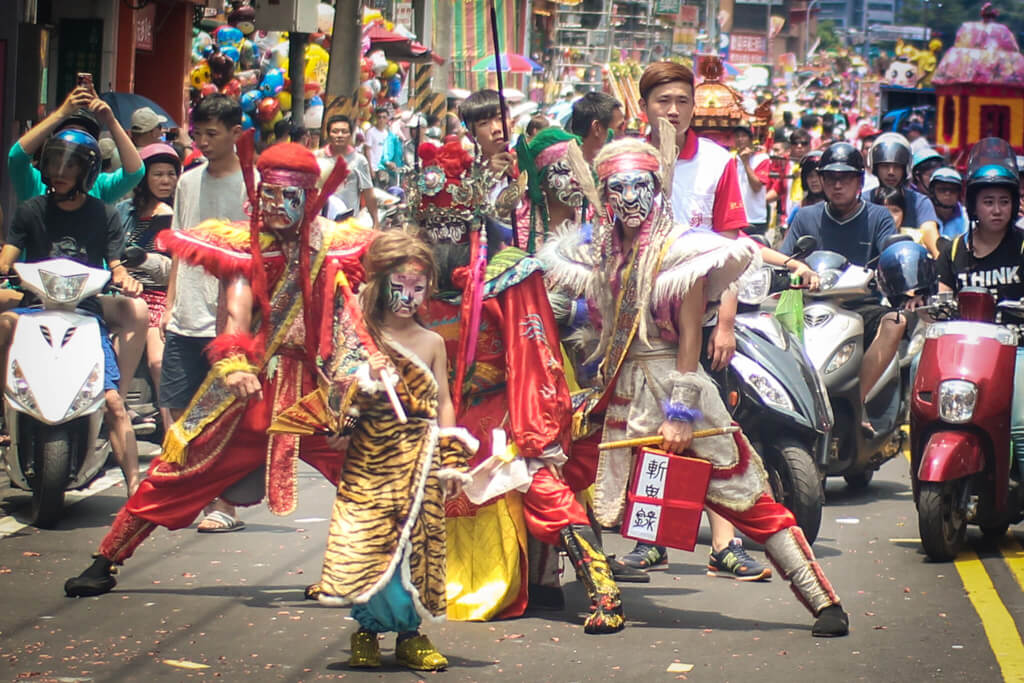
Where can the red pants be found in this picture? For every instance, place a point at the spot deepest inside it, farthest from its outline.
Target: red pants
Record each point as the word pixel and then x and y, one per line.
pixel 175 503
pixel 763 519
pixel 549 506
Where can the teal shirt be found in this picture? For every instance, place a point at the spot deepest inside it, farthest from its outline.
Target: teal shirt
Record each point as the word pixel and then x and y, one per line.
pixel 28 181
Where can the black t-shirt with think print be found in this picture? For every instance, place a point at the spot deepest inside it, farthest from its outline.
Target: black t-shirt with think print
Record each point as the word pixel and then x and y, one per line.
pixel 1000 271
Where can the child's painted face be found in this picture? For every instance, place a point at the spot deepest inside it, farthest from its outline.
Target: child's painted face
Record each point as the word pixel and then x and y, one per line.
pixel 408 288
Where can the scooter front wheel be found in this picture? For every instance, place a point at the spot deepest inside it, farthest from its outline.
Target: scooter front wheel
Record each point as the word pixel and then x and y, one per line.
pixel 797 484
pixel 942 518
pixel 53 470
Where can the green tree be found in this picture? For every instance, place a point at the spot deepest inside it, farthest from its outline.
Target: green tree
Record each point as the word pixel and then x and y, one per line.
pixel 827 36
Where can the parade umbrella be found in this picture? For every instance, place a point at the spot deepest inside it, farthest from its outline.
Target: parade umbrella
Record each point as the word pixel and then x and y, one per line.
pixel 516 64
pixel 124 104
pixel 398 47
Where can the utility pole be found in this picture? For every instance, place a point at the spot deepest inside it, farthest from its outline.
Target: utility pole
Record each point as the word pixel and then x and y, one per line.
pixel 712 19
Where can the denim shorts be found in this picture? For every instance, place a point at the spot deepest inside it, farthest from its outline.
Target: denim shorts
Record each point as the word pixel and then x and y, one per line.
pixel 184 368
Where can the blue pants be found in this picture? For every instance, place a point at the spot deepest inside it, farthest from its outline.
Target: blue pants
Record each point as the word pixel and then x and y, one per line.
pixel 391 609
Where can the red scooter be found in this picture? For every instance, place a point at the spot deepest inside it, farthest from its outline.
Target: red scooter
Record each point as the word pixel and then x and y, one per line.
pixel 960 457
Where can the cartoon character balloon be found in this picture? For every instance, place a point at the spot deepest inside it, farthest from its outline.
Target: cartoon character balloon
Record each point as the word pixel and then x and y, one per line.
pixel 200 75
pixel 243 17
pixel 903 74
pixel 272 83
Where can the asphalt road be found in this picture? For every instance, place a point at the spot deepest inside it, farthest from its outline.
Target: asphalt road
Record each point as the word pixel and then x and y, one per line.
pixel 229 607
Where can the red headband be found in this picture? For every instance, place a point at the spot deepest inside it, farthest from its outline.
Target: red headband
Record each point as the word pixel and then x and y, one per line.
pixel 628 161
pixel 287 176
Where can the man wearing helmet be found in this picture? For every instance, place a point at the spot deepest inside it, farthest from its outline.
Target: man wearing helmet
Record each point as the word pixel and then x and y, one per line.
pixel 990 253
pixel 67 222
pixel 945 187
pixel 848 224
pixel 891 163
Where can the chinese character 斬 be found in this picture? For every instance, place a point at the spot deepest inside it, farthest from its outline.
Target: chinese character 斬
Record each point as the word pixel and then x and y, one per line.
pixel 656 469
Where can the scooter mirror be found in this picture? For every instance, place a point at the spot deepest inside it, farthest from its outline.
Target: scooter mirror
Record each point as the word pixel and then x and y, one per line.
pixel 805 245
pixel 134 256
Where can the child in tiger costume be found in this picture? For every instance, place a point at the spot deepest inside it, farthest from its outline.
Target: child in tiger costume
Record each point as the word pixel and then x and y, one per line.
pixel 386 549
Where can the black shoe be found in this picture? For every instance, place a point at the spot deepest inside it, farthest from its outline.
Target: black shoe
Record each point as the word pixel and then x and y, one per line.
pixel 550 598
pixel 623 573
pixel 96 580
pixel 832 622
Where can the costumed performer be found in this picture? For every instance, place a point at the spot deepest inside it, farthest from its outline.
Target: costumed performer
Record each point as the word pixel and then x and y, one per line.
pixel 281 308
pixel 386 549
pixel 510 392
pixel 650 279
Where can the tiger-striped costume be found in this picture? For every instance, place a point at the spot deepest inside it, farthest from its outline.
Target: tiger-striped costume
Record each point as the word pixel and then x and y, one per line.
pixel 389 511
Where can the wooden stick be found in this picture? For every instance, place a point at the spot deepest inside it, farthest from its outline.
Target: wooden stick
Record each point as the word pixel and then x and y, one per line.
pixel 657 439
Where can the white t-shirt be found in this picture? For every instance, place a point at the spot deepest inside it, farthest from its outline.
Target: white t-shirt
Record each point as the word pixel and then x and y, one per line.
pixel 200 197
pixel 755 203
pixel 358 176
pixel 375 140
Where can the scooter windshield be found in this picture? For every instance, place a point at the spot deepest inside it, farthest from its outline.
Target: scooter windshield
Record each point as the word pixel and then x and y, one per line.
pixel 992 152
pixel 820 261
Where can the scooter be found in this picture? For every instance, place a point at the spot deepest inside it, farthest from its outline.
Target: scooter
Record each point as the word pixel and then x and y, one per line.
pixel 777 396
pixel 960 449
pixel 834 340
pixel 54 390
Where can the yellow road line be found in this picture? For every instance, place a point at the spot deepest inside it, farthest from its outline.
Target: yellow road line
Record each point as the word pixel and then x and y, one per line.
pixel 1013 555
pixel 999 626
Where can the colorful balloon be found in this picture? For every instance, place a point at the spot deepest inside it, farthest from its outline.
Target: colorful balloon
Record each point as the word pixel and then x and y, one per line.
pixel 207 90
pixel 250 100
pixel 228 35
pixel 267 109
pixel 246 121
pixel 285 99
pixel 272 83
pixel 232 89
pixel 200 75
pixel 389 71
pixel 394 86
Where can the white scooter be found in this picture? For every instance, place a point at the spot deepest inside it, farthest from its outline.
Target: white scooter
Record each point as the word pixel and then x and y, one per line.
pixel 54 391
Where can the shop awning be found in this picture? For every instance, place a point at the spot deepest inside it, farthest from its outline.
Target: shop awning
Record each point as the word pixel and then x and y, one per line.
pixel 397 47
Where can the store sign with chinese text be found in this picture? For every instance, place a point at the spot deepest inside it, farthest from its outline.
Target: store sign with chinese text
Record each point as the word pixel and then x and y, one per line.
pixel 747 48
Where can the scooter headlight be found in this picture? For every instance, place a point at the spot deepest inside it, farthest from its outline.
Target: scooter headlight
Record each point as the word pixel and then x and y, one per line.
pixel 63 288
pixel 829 277
pixel 18 389
pixel 957 398
pixel 754 286
pixel 841 357
pixel 91 390
pixel 766 386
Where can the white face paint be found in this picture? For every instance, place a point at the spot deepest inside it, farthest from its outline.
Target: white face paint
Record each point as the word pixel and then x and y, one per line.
pixel 408 288
pixel 630 194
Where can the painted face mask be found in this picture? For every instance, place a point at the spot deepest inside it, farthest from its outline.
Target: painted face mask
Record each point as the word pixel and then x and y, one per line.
pixel 408 287
pixel 630 195
pixel 282 206
pixel 562 184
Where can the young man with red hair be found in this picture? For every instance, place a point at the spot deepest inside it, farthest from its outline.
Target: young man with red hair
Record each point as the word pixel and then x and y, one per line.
pixel 277 276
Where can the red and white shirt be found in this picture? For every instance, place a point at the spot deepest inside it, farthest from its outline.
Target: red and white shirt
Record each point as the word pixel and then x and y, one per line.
pixel 705 187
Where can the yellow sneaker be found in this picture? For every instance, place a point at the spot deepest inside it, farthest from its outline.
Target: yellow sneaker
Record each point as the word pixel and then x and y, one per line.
pixel 420 654
pixel 365 650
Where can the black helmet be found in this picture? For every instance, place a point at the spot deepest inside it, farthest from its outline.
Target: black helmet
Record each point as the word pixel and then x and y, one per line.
pixel 992 163
pixel 82 119
pixel 72 146
pixel 904 270
pixel 841 157
pixel 891 148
